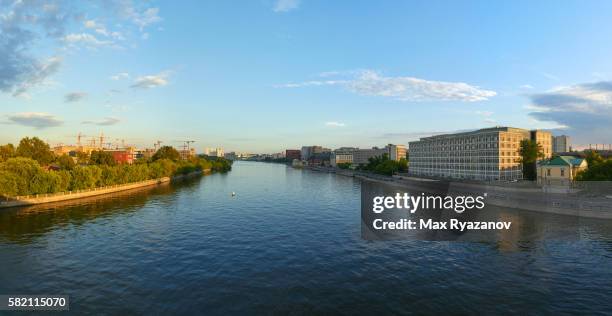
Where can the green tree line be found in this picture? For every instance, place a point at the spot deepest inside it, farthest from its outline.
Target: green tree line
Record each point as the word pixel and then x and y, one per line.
pixel 599 169
pixel 22 171
pixel 385 166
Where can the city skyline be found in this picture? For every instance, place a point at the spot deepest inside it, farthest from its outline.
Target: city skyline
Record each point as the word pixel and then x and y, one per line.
pixel 265 76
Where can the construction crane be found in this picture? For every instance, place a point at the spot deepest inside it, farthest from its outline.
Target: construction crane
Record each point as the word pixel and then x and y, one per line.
pixel 79 136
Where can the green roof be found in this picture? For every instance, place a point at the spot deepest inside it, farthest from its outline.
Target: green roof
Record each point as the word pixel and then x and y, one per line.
pixel 563 161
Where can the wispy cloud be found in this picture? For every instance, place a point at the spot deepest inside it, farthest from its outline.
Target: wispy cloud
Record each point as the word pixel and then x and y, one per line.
pixel 416 135
pixel 151 81
pixel 107 121
pixel 28 25
pixel 286 5
pixel 583 108
pixel 74 96
pixel 37 120
pixel 119 76
pixel 371 83
pixel 86 39
pixel 334 124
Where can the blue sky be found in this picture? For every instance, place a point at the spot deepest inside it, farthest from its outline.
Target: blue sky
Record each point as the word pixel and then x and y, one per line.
pixel 266 75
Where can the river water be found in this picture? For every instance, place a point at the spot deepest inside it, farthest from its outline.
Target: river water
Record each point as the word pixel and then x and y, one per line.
pixel 288 242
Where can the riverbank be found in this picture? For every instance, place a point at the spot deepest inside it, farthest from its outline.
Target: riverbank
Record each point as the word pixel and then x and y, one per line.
pixel 517 196
pixel 81 194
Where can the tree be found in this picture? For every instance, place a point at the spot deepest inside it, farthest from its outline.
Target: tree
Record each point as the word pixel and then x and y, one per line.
pixel 45 182
pixel 7 151
pixel 65 162
pixel 85 177
pixel 25 169
pixel 82 157
pixel 100 157
pixel 598 170
pixel 530 151
pixel 344 165
pixel 593 158
pixel 167 152
pixel 36 149
pixel 402 165
pixel 8 184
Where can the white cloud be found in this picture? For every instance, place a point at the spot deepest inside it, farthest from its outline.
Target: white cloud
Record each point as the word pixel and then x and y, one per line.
pixel 35 119
pixel 368 82
pixel 36 75
pixel 120 76
pixel 311 83
pixel 334 124
pixel 526 87
pixel 90 24
pixel 87 39
pixel 74 96
pixel 286 5
pixel 586 109
pixel 151 81
pixel 107 121
pixel 484 113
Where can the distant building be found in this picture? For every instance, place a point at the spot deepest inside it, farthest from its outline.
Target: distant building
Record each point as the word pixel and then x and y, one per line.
pixel 231 156
pixel 214 152
pixel 544 139
pixel 561 144
pixel 308 151
pixel 362 156
pixel 560 171
pixel 319 159
pixel 485 154
pixel 396 152
pixel 123 155
pixel 187 153
pixel 342 155
pixel 293 154
pixel 146 153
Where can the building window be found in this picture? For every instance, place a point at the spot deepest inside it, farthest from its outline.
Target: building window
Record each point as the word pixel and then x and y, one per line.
pixel 563 172
pixel 548 172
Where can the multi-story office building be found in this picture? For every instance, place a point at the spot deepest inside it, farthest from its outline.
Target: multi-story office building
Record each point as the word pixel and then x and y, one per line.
pixel 361 156
pixel 396 152
pixel 544 139
pixel 342 155
pixel 309 151
pixel 291 154
pixel 485 154
pixel 214 152
pixel 561 144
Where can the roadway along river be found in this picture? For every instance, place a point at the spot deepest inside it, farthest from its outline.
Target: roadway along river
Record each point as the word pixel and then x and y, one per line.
pixel 288 241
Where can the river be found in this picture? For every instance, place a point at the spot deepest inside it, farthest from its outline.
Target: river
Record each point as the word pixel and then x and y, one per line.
pixel 288 241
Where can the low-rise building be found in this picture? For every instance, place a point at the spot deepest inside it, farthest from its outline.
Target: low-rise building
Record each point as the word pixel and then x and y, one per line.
pixel 187 153
pixel 214 152
pixel 342 155
pixel 320 159
pixel 123 155
pixel 560 170
pixel 293 154
pixel 308 151
pixel 362 156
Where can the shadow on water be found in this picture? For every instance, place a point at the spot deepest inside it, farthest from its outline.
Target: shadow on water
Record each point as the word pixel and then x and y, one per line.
pixel 23 225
